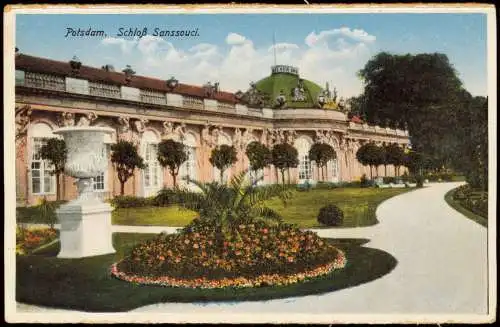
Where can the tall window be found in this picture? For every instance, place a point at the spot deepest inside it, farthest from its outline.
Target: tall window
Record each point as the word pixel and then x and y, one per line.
pixel 152 170
pixel 98 183
pixel 151 175
pixel 188 168
pixel 42 181
pixel 305 166
pixel 305 171
pixel 334 165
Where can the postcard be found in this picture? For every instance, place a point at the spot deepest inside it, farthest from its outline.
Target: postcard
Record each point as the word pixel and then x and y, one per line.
pixel 250 164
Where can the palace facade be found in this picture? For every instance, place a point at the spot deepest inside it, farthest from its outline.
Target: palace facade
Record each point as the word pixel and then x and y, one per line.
pixel 279 108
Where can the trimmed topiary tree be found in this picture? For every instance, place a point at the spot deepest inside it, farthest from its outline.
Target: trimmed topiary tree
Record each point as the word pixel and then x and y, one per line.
pixel 284 156
pixel 55 151
pixel 258 155
pixel 126 159
pixel 172 154
pixel 330 215
pixel 395 156
pixel 369 154
pixel 223 157
pixel 321 153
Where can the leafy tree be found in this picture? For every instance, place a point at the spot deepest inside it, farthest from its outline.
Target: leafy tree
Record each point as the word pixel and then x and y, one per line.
pixel 383 157
pixel 225 207
pixel 321 153
pixel 172 154
pixel 395 156
pixel 369 154
pixel 126 159
pixel 55 151
pixel 284 156
pixel 223 157
pixel 418 162
pixel 258 155
pixel 422 91
pixel 470 153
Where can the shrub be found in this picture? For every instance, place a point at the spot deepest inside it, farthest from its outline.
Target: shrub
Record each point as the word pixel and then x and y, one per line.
pixel 420 180
pixel 388 180
pixel 129 201
pixel 365 182
pixel 330 215
pixel 165 197
pixel 47 212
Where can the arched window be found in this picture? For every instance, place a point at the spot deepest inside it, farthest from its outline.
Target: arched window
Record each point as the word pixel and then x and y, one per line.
pixel 42 182
pixel 305 166
pixel 223 139
pixel 333 165
pixel 152 174
pixel 100 183
pixel 188 168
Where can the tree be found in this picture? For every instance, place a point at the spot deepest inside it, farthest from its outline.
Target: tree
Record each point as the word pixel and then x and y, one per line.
pixel 126 159
pixel 55 151
pixel 321 153
pixel 422 91
pixel 172 154
pixel 369 154
pixel 470 154
pixel 284 156
pixel 383 156
pixel 395 156
pixel 223 157
pixel 258 155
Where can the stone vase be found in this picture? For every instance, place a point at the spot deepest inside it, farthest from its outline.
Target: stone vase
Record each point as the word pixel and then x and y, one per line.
pixel 86 221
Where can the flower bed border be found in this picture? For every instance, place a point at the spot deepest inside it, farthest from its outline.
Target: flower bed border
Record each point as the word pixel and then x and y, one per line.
pixel 240 282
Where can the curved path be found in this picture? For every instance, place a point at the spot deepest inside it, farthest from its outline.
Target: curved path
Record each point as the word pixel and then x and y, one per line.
pixel 442 266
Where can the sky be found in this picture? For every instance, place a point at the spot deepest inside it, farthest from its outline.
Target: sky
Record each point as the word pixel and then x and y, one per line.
pixel 236 49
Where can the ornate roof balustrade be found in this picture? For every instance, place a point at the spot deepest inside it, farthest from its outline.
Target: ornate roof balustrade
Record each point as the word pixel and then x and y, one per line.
pixel 44 81
pixel 100 89
pixel 192 102
pixel 104 90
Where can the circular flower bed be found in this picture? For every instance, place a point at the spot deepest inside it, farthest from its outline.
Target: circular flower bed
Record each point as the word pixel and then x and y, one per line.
pixel 255 254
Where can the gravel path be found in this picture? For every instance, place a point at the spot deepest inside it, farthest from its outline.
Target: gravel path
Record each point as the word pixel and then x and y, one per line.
pixel 442 266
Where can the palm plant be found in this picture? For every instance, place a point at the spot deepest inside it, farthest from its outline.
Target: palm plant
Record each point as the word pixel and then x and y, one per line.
pixel 225 207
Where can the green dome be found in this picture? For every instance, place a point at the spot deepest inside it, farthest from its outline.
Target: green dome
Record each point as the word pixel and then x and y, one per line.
pixel 285 81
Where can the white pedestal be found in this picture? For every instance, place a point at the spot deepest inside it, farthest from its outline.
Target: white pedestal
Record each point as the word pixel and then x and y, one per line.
pixel 85 229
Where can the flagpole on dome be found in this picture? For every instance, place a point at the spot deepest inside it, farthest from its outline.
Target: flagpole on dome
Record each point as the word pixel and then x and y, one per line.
pixel 274 46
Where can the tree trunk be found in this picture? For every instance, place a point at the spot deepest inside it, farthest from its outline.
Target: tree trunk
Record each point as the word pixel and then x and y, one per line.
pixel 174 178
pixel 371 172
pixel 288 174
pixel 58 187
pixel 385 170
pixel 221 172
pixel 323 173
pixel 283 177
pixel 122 188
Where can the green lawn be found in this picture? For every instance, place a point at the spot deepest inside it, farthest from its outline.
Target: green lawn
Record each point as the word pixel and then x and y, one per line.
pixel 358 204
pixel 153 216
pixel 467 213
pixel 86 284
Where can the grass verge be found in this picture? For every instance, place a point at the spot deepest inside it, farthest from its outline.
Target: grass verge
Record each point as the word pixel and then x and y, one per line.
pixel 448 197
pixel 86 285
pixel 358 205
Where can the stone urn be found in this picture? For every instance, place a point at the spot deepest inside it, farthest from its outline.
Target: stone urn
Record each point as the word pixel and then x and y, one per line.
pixel 86 221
